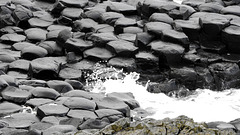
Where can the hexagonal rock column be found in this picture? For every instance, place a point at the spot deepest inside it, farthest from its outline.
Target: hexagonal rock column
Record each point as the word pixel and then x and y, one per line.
pixel 230 36
pixel 52 110
pixel 98 54
pixel 114 103
pixel 212 24
pixel 225 74
pixel 169 53
pixel 122 48
pixel 15 94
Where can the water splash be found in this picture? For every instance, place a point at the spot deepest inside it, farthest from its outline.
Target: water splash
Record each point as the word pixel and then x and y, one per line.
pixel 203 105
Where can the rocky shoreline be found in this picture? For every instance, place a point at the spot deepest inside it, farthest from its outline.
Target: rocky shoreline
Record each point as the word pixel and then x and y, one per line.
pixel 49 49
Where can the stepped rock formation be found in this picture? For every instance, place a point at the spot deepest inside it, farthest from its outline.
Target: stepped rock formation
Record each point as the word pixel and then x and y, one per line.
pixel 49 48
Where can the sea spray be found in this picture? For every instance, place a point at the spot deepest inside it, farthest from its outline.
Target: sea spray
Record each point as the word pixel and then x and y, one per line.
pixel 203 105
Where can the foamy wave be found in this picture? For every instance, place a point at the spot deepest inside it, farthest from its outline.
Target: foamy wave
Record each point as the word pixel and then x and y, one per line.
pixel 203 105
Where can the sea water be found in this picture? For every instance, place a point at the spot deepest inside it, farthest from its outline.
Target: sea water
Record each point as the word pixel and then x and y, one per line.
pixel 203 105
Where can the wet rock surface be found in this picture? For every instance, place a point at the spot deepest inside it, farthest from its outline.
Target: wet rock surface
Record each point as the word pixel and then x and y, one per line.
pixel 49 48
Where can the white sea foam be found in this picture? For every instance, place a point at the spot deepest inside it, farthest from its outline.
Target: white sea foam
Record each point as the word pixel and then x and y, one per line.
pixel 203 105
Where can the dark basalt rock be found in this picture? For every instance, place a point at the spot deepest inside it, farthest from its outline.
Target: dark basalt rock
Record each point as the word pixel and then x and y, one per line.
pixel 36 34
pixel 18 74
pixel 190 27
pixel 102 38
pixel 151 6
pixel 169 52
pixel 225 74
pixel 193 3
pixel 176 37
pixel 143 39
pixel 111 102
pixel 13 38
pixel 128 37
pixel 161 17
pixel 58 27
pixel 122 48
pixel 121 24
pixel 11 81
pixel 52 48
pixel 104 28
pixel 60 129
pixel 169 44
pixel 45 67
pixel 94 13
pixel 33 52
pixel 212 24
pixel 42 92
pixel 128 98
pixel 204 79
pixel 73 13
pixel 21 14
pixel 213 7
pixel 15 95
pixel 186 76
pixel 43 15
pixel 78 93
pixel 85 25
pixel 75 84
pixel 121 7
pixel 94 124
pixel 128 64
pixel 74 3
pixel 230 36
pixel 82 114
pixel 11 30
pixel 164 87
pixel 52 110
pixel 156 28
pixel 146 61
pixel 38 127
pixel 80 103
pixel 98 54
pixel 110 17
pixel 60 86
pixel 32 83
pixel 21 120
pixel 6 19
pixel 54 120
pixel 21 45
pixel 63 36
pixel 54 30
pixel 124 22
pixel 85 65
pixel 182 12
pixel 214 46
pixel 131 29
pixel 207 58
pixel 7 108
pixel 70 73
pixel 71 121
pixel 35 102
pixel 7 58
pixel 13 131
pixel 102 113
pixel 36 22
pixel 77 45
pixel 20 64
pixel 234 10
